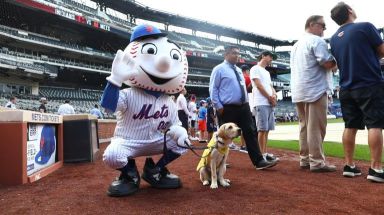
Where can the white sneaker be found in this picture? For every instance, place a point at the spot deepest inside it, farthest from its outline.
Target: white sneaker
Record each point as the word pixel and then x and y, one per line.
pixel 233 146
pixel 193 138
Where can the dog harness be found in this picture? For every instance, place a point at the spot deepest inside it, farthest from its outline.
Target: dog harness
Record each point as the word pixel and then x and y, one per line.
pixel 206 159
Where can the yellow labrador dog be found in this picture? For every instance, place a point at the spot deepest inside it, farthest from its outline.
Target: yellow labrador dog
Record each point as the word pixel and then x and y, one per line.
pixel 212 164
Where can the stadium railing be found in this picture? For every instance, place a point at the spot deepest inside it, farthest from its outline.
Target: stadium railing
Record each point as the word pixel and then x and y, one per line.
pixel 44 40
pixel 71 63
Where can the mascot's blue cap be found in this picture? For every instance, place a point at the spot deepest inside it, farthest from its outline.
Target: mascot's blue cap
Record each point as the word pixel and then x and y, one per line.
pixel 145 31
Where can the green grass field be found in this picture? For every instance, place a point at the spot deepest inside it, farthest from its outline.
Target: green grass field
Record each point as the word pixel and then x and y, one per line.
pixel 332 149
pixel 296 123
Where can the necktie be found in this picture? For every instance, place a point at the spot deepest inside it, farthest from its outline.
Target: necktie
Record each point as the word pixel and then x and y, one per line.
pixel 241 86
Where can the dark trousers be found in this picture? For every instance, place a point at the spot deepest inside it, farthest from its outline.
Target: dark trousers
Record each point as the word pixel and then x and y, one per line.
pixel 242 116
pixel 183 118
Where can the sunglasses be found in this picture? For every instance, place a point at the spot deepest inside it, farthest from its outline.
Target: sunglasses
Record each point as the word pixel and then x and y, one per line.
pixel 321 24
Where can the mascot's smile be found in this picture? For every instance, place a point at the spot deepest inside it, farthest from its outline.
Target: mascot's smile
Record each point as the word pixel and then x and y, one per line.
pixel 155 79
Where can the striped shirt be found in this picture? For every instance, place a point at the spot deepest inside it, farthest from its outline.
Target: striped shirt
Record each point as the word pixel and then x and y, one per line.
pixel 142 117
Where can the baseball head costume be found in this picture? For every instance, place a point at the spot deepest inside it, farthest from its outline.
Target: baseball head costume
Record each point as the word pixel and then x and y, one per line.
pixel 160 64
pixel 154 67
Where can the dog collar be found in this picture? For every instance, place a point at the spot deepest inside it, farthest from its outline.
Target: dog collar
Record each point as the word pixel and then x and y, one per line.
pixel 218 141
pixel 222 150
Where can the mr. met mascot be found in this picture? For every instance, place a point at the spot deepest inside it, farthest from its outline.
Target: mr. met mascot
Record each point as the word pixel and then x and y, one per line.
pixel 153 66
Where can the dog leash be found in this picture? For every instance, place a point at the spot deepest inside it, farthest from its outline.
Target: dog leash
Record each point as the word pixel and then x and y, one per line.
pixel 192 148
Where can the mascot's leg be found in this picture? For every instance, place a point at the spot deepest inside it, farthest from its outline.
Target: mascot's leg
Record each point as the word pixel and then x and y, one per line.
pixel 157 175
pixel 128 181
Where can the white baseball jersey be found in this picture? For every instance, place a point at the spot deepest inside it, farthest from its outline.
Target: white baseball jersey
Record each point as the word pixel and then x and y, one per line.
pixel 141 118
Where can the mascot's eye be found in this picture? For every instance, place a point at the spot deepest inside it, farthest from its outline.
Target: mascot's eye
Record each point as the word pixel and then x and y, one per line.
pixel 149 48
pixel 230 127
pixel 175 54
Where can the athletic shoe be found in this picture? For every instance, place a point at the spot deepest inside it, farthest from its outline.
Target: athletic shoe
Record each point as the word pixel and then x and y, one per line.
pixel 325 168
pixel 159 178
pixel 193 138
pixel 232 146
pixel 125 185
pixel 375 176
pixel 304 165
pixel 243 149
pixel 271 157
pixel 351 172
pixel 263 164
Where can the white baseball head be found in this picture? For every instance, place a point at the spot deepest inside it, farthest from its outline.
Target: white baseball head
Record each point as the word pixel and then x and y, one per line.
pixel 159 64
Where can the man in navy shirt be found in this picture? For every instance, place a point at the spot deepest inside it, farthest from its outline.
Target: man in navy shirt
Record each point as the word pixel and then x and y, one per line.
pixel 357 48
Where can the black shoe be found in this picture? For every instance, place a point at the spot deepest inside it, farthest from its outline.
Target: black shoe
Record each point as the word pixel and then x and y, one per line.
pixel 263 164
pixel 271 158
pixel 351 172
pixel 375 176
pixel 125 185
pixel 159 178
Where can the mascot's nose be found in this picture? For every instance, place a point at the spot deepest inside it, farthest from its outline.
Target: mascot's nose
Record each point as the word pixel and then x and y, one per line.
pixel 163 64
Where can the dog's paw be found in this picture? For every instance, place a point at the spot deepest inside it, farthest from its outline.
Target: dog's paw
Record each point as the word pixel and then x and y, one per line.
pixel 206 182
pixel 227 180
pixel 214 186
pixel 224 183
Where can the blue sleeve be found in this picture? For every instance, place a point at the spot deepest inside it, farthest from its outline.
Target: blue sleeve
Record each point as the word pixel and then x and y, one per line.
pixel 373 35
pixel 110 97
pixel 214 85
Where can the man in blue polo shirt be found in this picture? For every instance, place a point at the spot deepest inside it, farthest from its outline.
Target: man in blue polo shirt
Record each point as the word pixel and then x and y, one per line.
pixel 357 48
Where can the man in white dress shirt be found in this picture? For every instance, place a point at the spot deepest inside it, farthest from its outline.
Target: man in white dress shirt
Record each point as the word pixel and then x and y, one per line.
pixel 66 109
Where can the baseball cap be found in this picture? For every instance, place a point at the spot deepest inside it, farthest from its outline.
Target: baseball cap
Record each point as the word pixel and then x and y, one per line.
pixel 266 52
pixel 145 31
pixel 47 145
pixel 43 99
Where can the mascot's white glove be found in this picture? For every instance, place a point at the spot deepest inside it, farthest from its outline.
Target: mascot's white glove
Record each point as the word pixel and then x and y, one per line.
pixel 179 134
pixel 122 68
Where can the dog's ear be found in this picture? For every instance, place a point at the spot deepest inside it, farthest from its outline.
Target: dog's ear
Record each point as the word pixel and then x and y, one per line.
pixel 221 132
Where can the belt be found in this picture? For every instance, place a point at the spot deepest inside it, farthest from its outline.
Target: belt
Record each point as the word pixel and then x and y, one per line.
pixel 235 105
